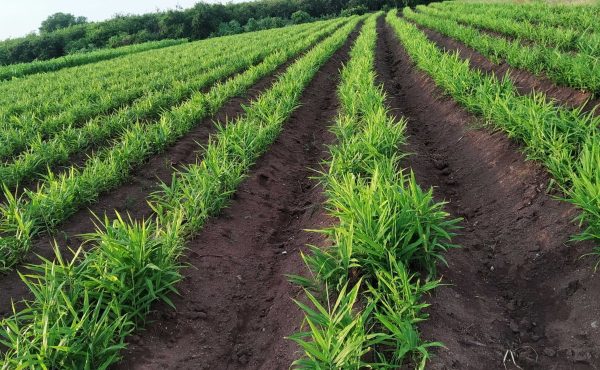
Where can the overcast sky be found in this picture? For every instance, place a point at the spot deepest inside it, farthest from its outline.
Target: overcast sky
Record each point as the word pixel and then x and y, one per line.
pixel 19 17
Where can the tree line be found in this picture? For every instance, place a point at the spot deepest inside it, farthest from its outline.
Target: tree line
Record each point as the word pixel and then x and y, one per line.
pixel 63 33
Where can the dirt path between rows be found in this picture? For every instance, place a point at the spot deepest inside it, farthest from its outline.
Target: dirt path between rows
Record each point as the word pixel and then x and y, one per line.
pixel 525 82
pixel 235 306
pixel 514 285
pixel 130 197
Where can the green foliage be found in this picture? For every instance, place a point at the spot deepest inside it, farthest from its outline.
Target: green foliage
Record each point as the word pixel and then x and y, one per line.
pixel 585 189
pixel 337 336
pixel 82 310
pixel 23 69
pixel 59 20
pixel 94 91
pixel 200 21
pixel 58 197
pixel 386 226
pixel 582 18
pixel 229 28
pixel 562 38
pixel 300 16
pixel 389 217
pixel 398 296
pixel 66 139
pixel 17 229
pixel 355 10
pixel 565 140
pixel 580 70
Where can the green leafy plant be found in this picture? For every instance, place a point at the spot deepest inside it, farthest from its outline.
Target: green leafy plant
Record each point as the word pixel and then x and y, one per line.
pixel 579 71
pixel 175 88
pixel 564 140
pixel 337 336
pixel 59 196
pixel 82 310
pixel 23 69
pixel 385 225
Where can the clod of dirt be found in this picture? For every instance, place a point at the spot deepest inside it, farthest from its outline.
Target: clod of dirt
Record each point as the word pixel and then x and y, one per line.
pixel 440 164
pixel 572 288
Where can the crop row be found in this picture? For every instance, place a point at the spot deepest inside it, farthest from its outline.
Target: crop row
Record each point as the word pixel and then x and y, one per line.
pixel 16 138
pixel 582 18
pixel 15 134
pixel 71 140
pixel 89 83
pixel 579 71
pixel 98 87
pixel 365 294
pixel 72 60
pixel 23 218
pixel 556 37
pixel 566 141
pixel 102 295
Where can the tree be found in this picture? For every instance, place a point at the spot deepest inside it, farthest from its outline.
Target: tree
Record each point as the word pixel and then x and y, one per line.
pixel 270 22
pixel 229 28
pixel 300 16
pixel 355 10
pixel 175 24
pixel 206 19
pixel 60 20
pixel 251 25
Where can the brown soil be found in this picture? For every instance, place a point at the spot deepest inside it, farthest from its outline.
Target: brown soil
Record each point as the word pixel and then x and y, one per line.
pixel 515 285
pixel 130 197
pixel 236 306
pixel 524 81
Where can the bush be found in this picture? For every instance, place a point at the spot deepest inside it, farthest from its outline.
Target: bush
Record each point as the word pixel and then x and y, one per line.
pixel 122 39
pixel 229 28
pixel 301 16
pixel 355 10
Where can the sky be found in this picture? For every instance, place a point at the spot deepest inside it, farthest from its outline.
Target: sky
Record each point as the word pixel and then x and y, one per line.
pixel 20 17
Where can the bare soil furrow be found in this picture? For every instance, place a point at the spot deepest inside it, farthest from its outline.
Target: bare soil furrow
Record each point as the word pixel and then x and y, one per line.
pixel 236 306
pixel 517 288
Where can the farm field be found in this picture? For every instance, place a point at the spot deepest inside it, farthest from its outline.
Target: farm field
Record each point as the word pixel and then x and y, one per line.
pixel 23 69
pixel 417 188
